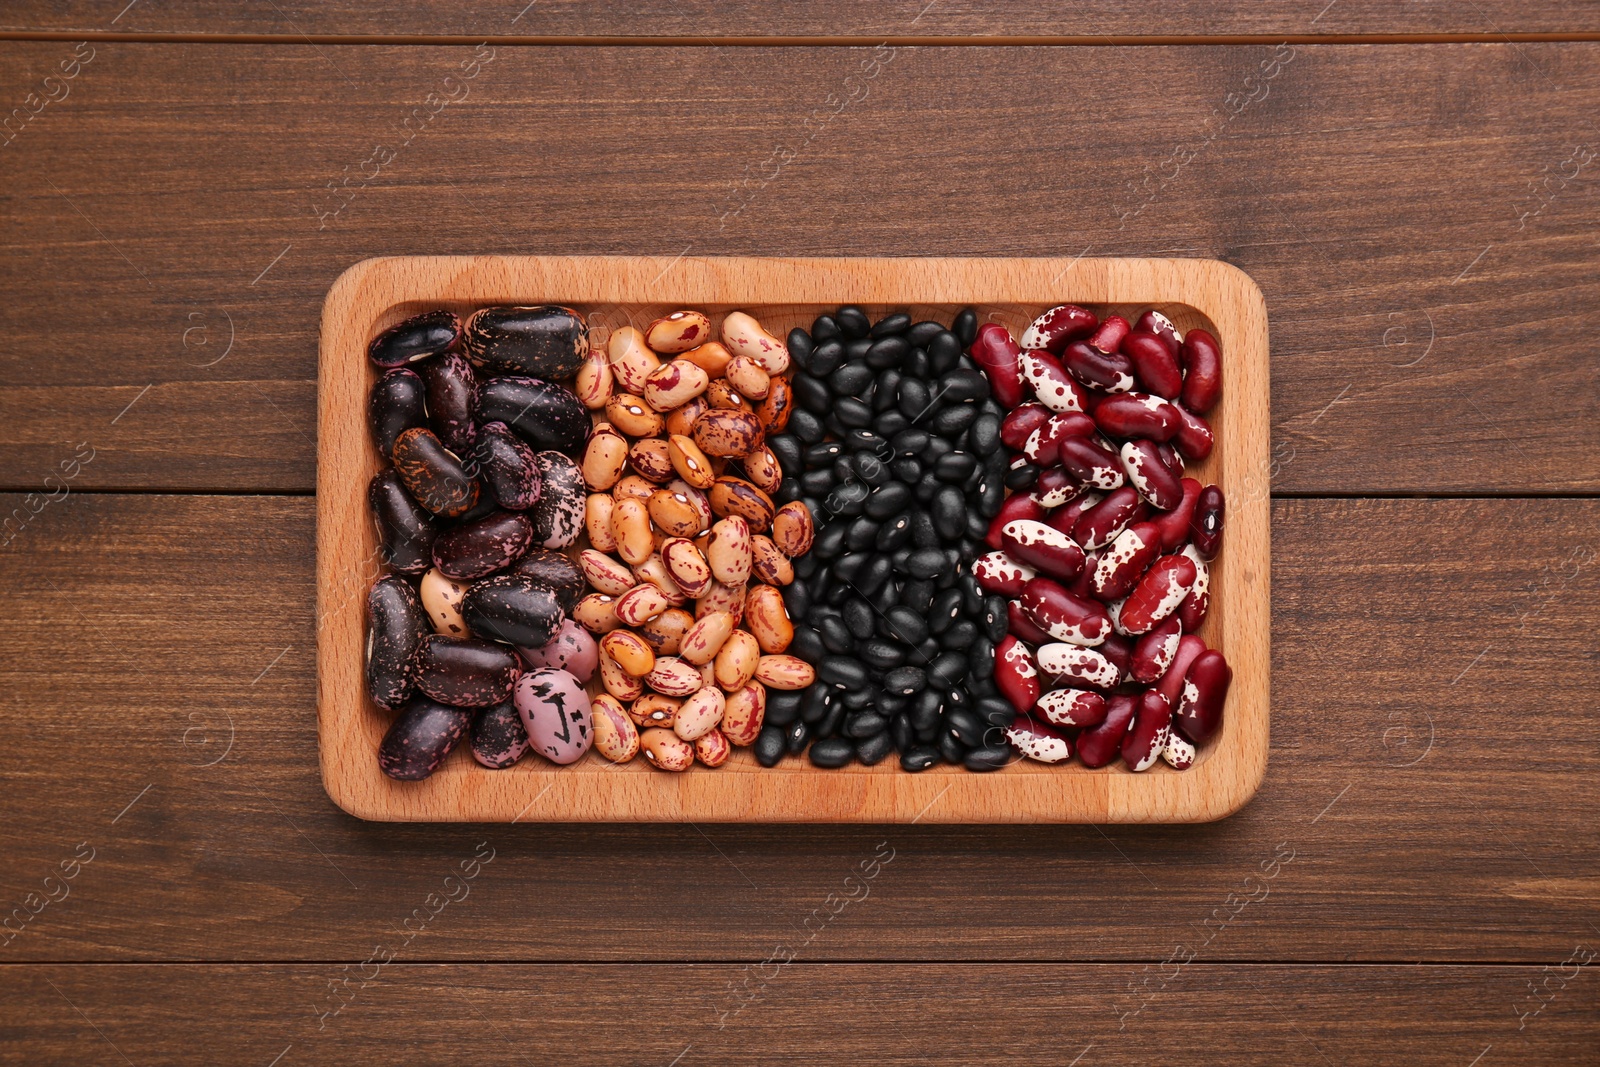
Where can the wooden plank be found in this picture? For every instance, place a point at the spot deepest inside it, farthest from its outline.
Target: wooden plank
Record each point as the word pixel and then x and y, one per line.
pixel 809 18
pixel 1428 317
pixel 784 293
pixel 1195 1013
pixel 1433 774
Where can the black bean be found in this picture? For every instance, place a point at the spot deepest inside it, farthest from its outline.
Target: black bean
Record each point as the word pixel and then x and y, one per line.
pixel 926 709
pixel 927 650
pixel 832 752
pixel 796 736
pixel 960 636
pixel 860 618
pixel 806 426
pixel 944 353
pixel 893 533
pixel 824 327
pixel 842 672
pixel 874 577
pixel 815 702
pixel 962 386
pixel 827 357
pixel 896 323
pixel 796 600
pixel 807 644
pixel 856 699
pixel 1021 477
pixel 838 593
pixel 908 625
pixel 865 724
pixel 856 351
pixel 950 513
pixel 882 655
pixel 925 563
pixel 888 352
pixel 811 394
pixel 864 441
pixel 937 447
pixel 847 500
pixel 843 470
pixel 918 758
pixel 947 670
pixel 951 748
pixel 905 680
pixel 800 346
pixel 910 443
pixel 946 609
pixel 886 390
pixel 851 379
pixel 927 488
pixel 822 454
pixel 888 502
pixel 985 434
pixel 836 636
pixel 817 482
pixel 860 535
pixel 790 456
pixel 995 711
pixel 907 470
pixel 849 566
pixel 917 595
pixel 783 707
pixel 852 321
pixel 965 327
pixel 948 422
pixel 955 467
pixel 852 412
pixel 994 617
pixel 914 398
pixel 873 750
pixel 991 498
pixel 981 655
pixel 922 332
pixel 890 423
pixel 988 758
pixel 916 364
pixel 806 565
pixel 770 746
pixel 967 726
pixel 977 526
pixel 971 596
pixel 901 733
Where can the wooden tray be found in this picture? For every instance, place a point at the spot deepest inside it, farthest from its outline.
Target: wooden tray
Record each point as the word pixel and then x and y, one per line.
pixel 782 293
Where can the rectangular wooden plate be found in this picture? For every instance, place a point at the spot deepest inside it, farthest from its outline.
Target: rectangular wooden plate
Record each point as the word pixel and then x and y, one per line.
pixel 782 293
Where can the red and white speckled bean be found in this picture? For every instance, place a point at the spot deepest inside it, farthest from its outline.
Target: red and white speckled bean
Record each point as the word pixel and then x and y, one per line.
pixel 1042 547
pixel 1055 328
pixel 1051 383
pixel 1037 741
pixel 1153 653
pixel 1125 560
pixel 1076 665
pixel 1063 614
pixel 997 572
pixel 1015 674
pixel 1158 593
pixel 1192 612
pixel 1180 751
pixel 1076 708
pixel 1141 460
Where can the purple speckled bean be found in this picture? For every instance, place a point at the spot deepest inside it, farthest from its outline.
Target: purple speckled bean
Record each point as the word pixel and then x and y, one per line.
pixel 572 649
pixel 498 736
pixel 452 394
pixel 397 624
pixel 513 609
pixel 558 514
pixel 507 465
pixel 421 738
pixel 466 672
pixel 483 546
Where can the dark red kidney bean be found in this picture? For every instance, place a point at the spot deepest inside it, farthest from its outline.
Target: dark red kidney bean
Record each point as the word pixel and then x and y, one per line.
pixel 1043 548
pixel 498 737
pixel 1051 383
pixel 1091 462
pixel 1065 518
pixel 1169 457
pixel 1099 745
pixel 1015 673
pixel 1056 327
pixel 1171 684
pixel 507 465
pixel 405 528
pixel 1154 322
pixel 1205 528
pixel 1153 653
pixel 547 342
pixel 1205 689
pixel 420 738
pixel 1141 460
pixel 1109 337
pixel 1152 725
pixel 1022 627
pixel 397 624
pixel 1174 524
pixel 397 403
pixel 1016 506
pixel 416 338
pixel 452 396
pixel 467 672
pixel 1112 372
pixel 1137 415
pixel 1124 561
pixel 557 572
pixel 1021 422
pixel 1194 438
pixel 558 513
pixel 995 351
pixel 997 572
pixel 484 546
pixel 1063 614
pixel 1202 371
pixel 545 415
pixel 1155 364
pixel 514 609
pixel 1158 593
pixel 1055 487
pixel 433 474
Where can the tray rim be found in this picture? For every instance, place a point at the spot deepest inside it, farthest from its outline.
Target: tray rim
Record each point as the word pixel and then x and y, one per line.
pixel 1213 789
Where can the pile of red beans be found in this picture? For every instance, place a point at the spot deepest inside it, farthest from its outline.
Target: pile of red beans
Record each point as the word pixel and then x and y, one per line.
pixel 1104 545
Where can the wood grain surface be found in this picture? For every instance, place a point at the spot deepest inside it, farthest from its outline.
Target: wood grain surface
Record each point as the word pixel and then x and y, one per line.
pixel 785 293
pixel 1433 770
pixel 1193 1013
pixel 1407 210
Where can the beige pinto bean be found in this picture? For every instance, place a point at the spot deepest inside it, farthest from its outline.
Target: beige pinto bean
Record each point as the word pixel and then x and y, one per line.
pixel 597 521
pixel 664 633
pixel 742 717
pixel 597 613
pixel 710 357
pixel 630 525
pixel 632 416
pixel 713 749
pixel 743 336
pixel 699 714
pixel 766 474
pixel 728 551
pixel 702 641
pixel 654 571
pixel 792 529
pixel 767 619
pixel 678 332
pixel 666 750
pixel 618 682
pixel 674 384
pixel 784 672
pixel 674 514
pixel 633 487
pixel 594 383
pixel 727 433
pixel 724 397
pixel 767 563
pixel 605 457
pixel 628 651
pixel 695 497
pixel 653 709
pixel 605 574
pixel 736 662
pixel 652 459
pixel 630 358
pixel 641 604
pixel 720 597
pixel 615 736
pixel 673 677
pixel 680 420
pixel 735 496
pixel 690 463
pixel 746 375
pixel 687 566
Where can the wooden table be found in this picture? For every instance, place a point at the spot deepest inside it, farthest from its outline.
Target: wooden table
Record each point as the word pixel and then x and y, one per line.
pixel 1411 185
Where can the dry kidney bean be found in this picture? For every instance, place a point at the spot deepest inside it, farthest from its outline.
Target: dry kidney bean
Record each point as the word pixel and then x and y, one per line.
pixel 452 394
pixel 513 608
pixel 508 465
pixel 465 672
pixel 1141 460
pixel 417 338
pixel 1099 745
pixel 1137 415
pixel 420 738
pixel 1194 437
pixel 1091 463
pixel 1043 548
pixel 1108 372
pixel 1073 708
pixel 1205 528
pixel 1054 329
pixel 1147 737
pixel 398 402
pixel 498 737
pixel 1064 615
pixel 397 625
pixel 1015 673
pixel 997 354
pixel 483 546
pixel 1202 371
pixel 1205 688
pixel 432 474
pixel 1192 612
pixel 1180 751
pixel 546 415
pixel 556 572
pixel 557 515
pixel 1155 363
pixel 1125 560
pixel 1154 652
pixel 572 649
pixel 547 342
pixel 406 530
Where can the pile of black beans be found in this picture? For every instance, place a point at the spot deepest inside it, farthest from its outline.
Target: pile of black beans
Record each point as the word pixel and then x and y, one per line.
pixel 894 445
